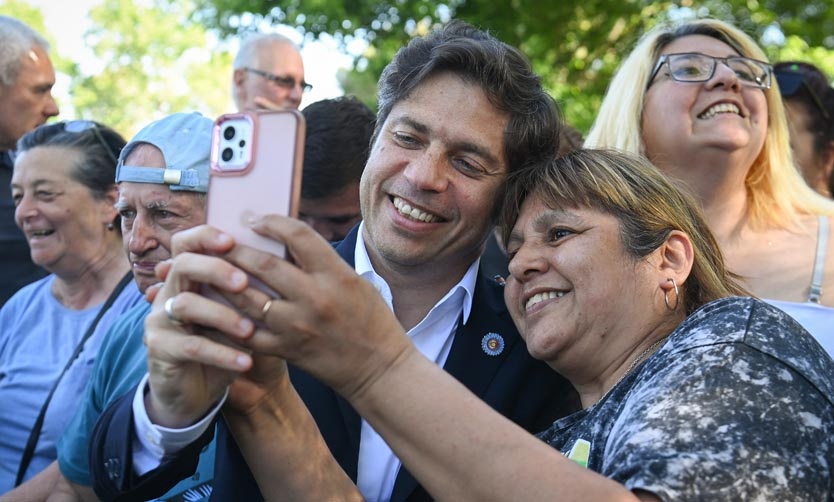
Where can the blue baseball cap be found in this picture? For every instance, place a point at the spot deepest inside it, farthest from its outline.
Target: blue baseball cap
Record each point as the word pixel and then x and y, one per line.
pixel 185 142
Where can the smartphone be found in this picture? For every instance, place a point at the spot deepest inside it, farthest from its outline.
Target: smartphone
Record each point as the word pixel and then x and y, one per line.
pixel 256 165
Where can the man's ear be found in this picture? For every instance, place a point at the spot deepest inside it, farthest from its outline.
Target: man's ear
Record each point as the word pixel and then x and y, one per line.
pixel 110 199
pixel 238 77
pixel 676 256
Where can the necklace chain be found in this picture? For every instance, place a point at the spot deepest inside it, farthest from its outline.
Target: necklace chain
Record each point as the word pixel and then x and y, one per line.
pixel 637 360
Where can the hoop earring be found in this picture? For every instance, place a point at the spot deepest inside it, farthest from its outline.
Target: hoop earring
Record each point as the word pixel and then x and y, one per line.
pixel 677 296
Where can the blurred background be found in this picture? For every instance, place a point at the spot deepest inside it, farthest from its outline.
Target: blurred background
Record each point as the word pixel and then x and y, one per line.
pixel 126 62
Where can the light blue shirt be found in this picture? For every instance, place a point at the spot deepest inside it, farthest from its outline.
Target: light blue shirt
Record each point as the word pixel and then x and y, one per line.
pixel 121 364
pixel 37 337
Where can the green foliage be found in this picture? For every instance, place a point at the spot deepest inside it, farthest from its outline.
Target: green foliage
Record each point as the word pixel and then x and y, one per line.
pixel 155 61
pixel 575 45
pixel 20 9
pixel 161 56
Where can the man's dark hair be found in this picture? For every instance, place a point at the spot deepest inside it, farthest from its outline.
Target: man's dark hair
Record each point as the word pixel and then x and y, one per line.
pixel 336 147
pixel 503 72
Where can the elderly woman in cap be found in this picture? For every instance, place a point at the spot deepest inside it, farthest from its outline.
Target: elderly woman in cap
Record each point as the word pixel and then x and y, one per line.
pixel 50 331
pixel 615 281
pixel 698 99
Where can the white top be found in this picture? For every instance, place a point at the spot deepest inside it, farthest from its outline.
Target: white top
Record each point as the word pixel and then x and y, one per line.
pixel 378 466
pixel 813 316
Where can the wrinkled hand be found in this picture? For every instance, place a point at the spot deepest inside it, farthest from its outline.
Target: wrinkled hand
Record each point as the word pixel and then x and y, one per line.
pixel 190 361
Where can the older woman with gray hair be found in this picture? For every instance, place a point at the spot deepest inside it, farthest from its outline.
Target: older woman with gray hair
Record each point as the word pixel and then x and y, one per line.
pixel 64 192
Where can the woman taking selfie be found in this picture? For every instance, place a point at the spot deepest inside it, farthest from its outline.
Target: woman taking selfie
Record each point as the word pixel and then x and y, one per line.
pixel 689 391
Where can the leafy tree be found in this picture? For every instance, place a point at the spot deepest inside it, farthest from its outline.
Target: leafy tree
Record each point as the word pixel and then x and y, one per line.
pixel 575 45
pixel 23 11
pixel 154 61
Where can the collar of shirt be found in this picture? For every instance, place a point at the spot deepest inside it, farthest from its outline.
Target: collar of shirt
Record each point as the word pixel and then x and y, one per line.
pixel 363 267
pixel 433 337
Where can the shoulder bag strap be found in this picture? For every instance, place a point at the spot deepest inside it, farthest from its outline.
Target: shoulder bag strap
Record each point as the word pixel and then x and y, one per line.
pixel 29 451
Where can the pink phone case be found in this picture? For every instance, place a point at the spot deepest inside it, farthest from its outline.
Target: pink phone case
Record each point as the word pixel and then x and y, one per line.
pixel 268 182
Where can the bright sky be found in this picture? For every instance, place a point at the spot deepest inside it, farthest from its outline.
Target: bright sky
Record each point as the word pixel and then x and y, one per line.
pixel 67 20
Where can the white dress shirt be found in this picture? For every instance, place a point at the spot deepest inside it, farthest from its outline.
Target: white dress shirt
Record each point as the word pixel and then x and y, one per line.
pixel 433 337
pixel 378 466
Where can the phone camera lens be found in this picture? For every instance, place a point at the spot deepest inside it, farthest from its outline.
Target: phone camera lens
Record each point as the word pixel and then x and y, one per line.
pixel 227 154
pixel 229 133
pixel 242 143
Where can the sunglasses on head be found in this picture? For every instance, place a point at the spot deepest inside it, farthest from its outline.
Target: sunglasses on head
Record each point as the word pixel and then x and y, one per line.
pixel 791 80
pixel 78 126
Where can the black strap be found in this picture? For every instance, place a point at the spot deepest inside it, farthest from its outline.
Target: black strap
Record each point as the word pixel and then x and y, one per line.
pixel 29 451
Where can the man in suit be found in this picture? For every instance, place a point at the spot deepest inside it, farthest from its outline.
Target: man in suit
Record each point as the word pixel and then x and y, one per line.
pixel 459 110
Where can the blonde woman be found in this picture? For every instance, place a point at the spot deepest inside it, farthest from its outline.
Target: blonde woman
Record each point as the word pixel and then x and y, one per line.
pixel 699 100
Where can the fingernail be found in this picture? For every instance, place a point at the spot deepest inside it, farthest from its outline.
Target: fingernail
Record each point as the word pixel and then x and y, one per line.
pixel 238 278
pixel 245 326
pixel 242 361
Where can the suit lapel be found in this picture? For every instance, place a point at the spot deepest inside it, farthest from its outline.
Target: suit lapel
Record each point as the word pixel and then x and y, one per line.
pixel 469 363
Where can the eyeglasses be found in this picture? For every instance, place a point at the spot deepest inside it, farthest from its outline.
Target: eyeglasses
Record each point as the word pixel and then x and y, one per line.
pixel 789 83
pixel 280 81
pixel 86 125
pixel 697 67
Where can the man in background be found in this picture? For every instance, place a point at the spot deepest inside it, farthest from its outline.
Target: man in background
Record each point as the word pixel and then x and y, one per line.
pixel 335 151
pixel 26 80
pixel 268 73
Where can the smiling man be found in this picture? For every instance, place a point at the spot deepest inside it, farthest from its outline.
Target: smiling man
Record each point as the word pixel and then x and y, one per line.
pixel 26 80
pixel 459 110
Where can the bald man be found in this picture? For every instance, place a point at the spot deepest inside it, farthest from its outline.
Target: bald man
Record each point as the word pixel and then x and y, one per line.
pixel 268 73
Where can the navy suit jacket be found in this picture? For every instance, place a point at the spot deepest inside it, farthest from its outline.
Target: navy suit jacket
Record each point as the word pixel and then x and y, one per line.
pixel 525 390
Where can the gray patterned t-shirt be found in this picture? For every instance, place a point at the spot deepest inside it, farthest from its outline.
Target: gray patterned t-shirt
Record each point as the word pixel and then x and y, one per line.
pixel 738 404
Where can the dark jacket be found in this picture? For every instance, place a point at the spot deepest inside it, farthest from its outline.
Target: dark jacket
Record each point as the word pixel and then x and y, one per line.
pixel 523 389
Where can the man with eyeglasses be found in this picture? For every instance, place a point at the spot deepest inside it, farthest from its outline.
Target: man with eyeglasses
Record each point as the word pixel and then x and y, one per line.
pixel 26 80
pixel 268 73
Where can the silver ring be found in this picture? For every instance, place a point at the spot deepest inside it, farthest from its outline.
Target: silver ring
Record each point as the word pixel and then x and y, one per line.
pixel 169 311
